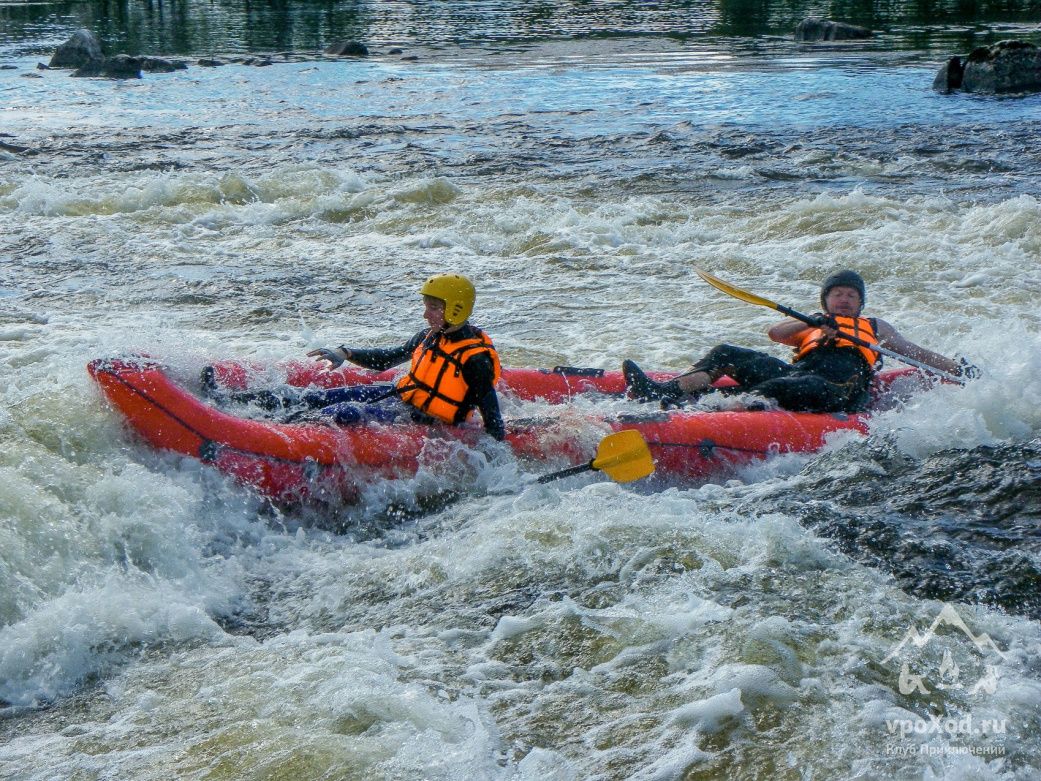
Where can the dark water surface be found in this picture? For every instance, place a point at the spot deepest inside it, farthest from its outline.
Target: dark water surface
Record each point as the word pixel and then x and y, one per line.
pixel 961 525
pixel 200 27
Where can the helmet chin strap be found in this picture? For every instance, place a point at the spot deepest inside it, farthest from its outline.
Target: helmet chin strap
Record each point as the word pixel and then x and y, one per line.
pixel 431 338
pixel 444 329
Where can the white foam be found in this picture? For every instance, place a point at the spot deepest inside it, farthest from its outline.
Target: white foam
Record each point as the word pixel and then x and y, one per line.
pixel 86 631
pixel 669 617
pixel 741 172
pixel 708 715
pixel 1004 405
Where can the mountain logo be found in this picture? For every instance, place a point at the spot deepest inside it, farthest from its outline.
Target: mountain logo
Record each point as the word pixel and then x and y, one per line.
pixel 948 675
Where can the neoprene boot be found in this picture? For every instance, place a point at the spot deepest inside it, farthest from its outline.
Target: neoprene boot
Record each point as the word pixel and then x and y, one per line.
pixel 210 387
pixel 643 388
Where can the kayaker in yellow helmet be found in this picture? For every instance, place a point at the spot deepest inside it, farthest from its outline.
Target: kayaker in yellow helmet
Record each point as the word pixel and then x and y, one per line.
pixel 454 369
pixel 827 372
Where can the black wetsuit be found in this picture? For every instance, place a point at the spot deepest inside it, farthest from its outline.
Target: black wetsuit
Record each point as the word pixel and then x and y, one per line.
pixel 827 379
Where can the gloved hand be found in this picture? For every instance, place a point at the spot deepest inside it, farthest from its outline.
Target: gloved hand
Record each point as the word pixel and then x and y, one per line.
pixel 821 320
pixel 969 371
pixel 335 355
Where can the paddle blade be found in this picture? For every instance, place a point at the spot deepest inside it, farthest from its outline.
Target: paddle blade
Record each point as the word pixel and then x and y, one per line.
pixel 624 456
pixel 736 292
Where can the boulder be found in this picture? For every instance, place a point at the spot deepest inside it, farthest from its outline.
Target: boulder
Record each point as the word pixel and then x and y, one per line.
pixel 81 49
pixel 1007 66
pixel 347 49
pixel 121 66
pixel 210 62
pixel 949 76
pixel 813 29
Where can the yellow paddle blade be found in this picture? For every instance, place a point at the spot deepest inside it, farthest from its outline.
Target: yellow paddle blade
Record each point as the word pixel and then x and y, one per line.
pixel 736 292
pixel 624 456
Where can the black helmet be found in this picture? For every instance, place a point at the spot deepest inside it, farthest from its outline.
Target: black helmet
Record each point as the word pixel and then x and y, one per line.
pixel 845 278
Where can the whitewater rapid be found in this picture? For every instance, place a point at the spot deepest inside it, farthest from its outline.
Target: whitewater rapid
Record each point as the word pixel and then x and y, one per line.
pixel 158 621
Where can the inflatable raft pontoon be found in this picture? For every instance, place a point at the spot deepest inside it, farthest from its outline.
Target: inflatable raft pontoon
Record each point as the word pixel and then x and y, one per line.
pixel 296 462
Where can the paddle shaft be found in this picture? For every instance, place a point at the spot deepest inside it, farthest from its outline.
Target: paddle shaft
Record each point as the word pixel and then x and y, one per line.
pixel 571 470
pixel 395 391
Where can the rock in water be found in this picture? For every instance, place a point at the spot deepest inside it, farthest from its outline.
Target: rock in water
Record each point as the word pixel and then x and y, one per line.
pixel 814 29
pixel 80 50
pixel 1008 66
pixel 949 76
pixel 347 49
pixel 122 66
pixel 162 65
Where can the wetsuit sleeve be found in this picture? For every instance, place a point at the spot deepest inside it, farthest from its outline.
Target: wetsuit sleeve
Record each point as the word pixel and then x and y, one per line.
pixel 479 374
pixel 380 358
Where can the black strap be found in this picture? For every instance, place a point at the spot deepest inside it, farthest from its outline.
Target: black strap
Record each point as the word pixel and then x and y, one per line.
pixel 575 371
pixel 394 391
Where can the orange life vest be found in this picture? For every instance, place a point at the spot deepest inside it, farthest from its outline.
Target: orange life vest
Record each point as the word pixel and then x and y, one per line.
pixel 861 327
pixel 435 384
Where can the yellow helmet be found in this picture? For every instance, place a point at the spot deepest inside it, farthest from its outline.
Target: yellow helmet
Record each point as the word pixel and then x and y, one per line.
pixel 456 291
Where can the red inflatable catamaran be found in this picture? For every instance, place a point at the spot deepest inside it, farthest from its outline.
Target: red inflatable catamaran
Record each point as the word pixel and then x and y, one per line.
pixel 295 462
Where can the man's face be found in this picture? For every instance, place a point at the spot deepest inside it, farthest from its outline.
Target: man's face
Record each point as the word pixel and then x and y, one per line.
pixel 434 311
pixel 843 301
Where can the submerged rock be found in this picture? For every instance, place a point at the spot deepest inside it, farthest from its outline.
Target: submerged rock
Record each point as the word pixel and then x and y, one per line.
pixel 813 29
pixel 161 65
pixel 13 148
pixel 347 49
pixel 80 50
pixel 1007 66
pixel 122 66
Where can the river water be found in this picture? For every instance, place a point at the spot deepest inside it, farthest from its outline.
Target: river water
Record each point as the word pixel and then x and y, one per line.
pixel 576 160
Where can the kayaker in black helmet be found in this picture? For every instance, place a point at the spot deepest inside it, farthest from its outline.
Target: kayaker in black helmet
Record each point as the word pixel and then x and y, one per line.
pixel 827 373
